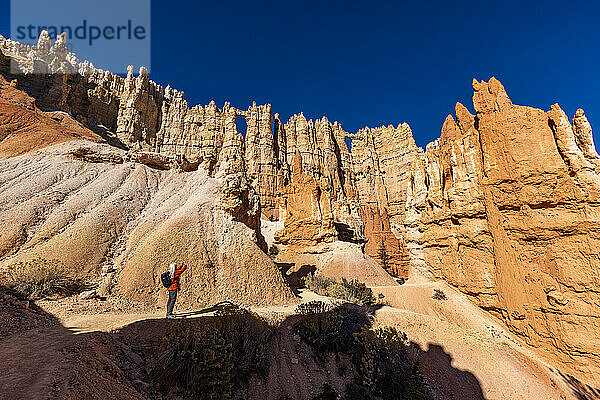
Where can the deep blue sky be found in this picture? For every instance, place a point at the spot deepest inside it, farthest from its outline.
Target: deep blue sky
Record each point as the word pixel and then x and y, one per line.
pixel 375 63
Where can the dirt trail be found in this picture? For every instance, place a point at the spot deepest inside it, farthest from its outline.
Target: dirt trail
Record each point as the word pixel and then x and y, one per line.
pixel 111 321
pixel 106 322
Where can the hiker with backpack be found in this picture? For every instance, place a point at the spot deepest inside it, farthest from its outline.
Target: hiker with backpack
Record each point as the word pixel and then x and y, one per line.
pixel 170 280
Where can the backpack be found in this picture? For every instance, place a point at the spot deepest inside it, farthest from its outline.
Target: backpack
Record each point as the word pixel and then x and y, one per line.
pixel 165 278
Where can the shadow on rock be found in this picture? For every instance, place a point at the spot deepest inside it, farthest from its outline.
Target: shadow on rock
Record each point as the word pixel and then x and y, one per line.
pixel 445 380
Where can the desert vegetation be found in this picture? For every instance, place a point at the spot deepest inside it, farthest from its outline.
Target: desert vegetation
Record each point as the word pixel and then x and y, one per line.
pixel 352 291
pixel 439 294
pixel 385 260
pixel 39 278
pixel 212 358
pixel 380 363
pixel 384 257
pixel 218 357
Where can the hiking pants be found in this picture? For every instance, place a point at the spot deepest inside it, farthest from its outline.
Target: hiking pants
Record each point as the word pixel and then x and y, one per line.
pixel 171 302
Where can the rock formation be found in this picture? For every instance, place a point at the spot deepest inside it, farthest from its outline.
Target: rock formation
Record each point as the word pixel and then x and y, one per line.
pixel 509 218
pixel 135 219
pixel 502 206
pixel 24 127
pixel 308 218
pixel 120 217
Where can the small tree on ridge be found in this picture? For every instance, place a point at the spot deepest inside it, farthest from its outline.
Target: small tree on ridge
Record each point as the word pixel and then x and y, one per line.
pixel 384 257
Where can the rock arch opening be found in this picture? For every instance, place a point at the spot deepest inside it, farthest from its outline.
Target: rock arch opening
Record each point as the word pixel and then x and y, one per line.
pixel 242 126
pixel 349 144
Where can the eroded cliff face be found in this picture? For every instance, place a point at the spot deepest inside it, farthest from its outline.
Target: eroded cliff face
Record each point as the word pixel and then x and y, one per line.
pixel 503 206
pixel 511 218
pixel 308 216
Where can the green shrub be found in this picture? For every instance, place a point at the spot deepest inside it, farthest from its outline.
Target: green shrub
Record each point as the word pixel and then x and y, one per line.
pixel 312 307
pixel 199 361
pixel 384 257
pixel 382 365
pixel 212 357
pixel 337 290
pixel 39 278
pixel 357 292
pixel 273 251
pixel 439 295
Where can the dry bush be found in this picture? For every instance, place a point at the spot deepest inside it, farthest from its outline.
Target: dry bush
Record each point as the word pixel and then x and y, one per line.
pixel 356 292
pixel 312 307
pixel 337 290
pixel 273 251
pixel 39 278
pixel 332 329
pixel 211 358
pixel 382 367
pixel 352 291
pixel 439 295
pixel 318 283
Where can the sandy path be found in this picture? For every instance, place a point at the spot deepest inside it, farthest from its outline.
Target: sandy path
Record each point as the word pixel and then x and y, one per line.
pixel 464 351
pixel 105 322
pixel 111 321
pixel 451 335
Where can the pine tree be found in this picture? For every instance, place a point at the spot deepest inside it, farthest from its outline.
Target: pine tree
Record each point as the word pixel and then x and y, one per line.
pixel 384 257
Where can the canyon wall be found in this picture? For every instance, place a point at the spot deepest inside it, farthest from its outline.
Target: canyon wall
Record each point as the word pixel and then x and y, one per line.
pixel 510 217
pixel 503 206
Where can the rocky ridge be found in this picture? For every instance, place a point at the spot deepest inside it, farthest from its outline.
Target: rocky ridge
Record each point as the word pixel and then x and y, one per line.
pixel 502 206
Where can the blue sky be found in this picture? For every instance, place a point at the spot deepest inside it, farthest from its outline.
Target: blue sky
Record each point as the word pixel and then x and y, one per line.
pixel 375 63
